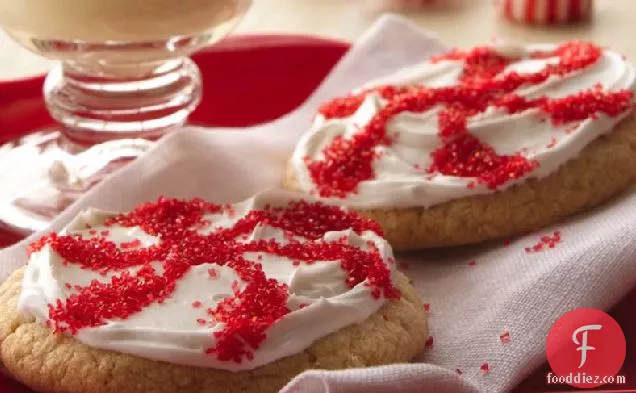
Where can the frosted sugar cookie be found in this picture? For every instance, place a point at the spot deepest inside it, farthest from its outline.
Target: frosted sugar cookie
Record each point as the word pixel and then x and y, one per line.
pixel 198 297
pixel 476 145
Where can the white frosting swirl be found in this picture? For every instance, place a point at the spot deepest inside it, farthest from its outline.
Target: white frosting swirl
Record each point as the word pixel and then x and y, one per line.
pixel 169 332
pixel 400 177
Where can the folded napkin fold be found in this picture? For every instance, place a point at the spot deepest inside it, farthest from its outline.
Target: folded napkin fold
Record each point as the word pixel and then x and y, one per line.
pixel 476 294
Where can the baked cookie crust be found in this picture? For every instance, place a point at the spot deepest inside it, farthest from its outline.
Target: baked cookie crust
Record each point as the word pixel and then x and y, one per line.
pixel 51 363
pixel 605 167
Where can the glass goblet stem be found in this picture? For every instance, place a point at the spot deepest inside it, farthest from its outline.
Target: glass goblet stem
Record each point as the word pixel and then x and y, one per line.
pixel 108 116
pixel 129 101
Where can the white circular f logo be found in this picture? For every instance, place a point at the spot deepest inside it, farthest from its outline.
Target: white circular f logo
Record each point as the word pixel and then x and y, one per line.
pixel 584 347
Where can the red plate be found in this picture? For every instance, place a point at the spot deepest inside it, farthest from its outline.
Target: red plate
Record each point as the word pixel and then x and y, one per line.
pixel 238 73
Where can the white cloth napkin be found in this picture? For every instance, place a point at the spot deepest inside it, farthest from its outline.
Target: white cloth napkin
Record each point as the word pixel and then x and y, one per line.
pixel 471 304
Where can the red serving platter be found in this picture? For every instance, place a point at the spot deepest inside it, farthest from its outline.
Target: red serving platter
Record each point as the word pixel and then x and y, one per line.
pixel 252 79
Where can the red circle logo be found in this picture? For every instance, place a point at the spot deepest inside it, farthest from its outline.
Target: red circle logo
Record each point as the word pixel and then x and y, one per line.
pixel 585 348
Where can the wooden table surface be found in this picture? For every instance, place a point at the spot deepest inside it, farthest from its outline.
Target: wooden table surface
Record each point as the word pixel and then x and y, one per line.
pixel 462 23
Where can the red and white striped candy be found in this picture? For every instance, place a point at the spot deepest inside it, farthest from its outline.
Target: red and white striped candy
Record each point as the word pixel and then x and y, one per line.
pixel 545 11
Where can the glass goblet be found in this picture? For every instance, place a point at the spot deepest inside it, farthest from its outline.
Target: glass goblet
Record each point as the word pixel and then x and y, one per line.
pixel 124 81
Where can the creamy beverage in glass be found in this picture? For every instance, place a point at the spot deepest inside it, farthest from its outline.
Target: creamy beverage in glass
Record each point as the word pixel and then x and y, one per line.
pixel 46 25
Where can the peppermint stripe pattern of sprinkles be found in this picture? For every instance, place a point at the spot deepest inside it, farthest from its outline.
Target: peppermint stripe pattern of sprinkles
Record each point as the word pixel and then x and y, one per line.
pixel 483 84
pixel 249 310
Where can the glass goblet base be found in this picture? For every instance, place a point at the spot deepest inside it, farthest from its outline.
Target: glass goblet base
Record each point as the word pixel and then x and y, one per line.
pixel 106 120
pixel 46 172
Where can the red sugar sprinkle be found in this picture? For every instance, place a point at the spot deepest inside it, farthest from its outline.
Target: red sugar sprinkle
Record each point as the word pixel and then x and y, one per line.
pixel 466 156
pixel 296 263
pixel 247 320
pixel 349 161
pixel 545 242
pixel 458 371
pixel 472 263
pixel 485 368
pixel 481 62
pixel 197 304
pixel 346 106
pixel 586 104
pixel 504 337
pixel 229 209
pixel 166 216
pixel 97 253
pixel 123 296
pixel 257 301
pixel 341 107
pixel 429 342
pixel 507 242
pixel 202 321
pixel 37 245
pixel 427 307
pixel 302 305
pixel 131 244
pixel 293 218
pixel 68 285
pixel 386 317
pixel 92 232
pixel 104 233
pixel 202 223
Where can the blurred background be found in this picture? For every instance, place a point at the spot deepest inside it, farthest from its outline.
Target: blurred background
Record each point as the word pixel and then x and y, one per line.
pixel 461 23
